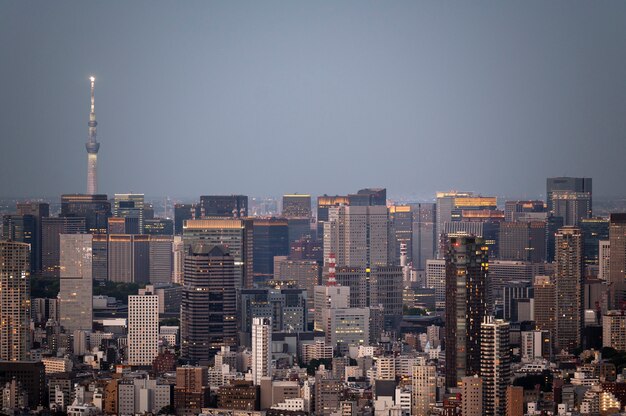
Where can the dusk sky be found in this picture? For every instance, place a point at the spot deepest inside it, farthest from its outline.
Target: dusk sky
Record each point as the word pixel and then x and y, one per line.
pixel 266 98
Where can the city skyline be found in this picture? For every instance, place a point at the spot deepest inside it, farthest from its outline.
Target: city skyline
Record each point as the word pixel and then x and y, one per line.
pixel 394 87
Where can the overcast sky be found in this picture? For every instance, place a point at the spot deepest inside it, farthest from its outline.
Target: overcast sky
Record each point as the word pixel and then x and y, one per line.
pixel 314 97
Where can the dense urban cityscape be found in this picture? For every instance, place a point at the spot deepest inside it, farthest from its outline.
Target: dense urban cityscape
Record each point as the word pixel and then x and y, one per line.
pixel 363 303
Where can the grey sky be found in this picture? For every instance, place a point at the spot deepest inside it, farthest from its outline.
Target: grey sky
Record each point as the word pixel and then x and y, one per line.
pixel 322 97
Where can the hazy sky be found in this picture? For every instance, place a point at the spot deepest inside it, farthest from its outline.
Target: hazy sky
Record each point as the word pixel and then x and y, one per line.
pixel 314 97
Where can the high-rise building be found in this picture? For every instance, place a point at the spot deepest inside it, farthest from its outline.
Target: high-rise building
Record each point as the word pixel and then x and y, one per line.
pixel 535 344
pixel 14 301
pixel 495 365
pixel 76 287
pixel 23 229
pixel 182 212
pixel 51 229
pixel 129 258
pixel 192 390
pixel 513 209
pixel 286 307
pixel 306 248
pixel 569 289
pixel 306 274
pixel 92 146
pixel 208 308
pixel 604 259
pixel 593 230
pixel 234 206
pixel 545 304
pixel 38 210
pixel 96 209
pixel 323 204
pixel 131 208
pixel 143 328
pixel 424 228
pixel 160 258
pixel 237 237
pixel 514 401
pixel 566 184
pixel 271 238
pixel 329 297
pixel 617 260
pixel 614 330
pixel 158 226
pixel 424 387
pixel 400 232
pixel 261 349
pixel 522 241
pixel 467 270
pixel 296 206
pixel 436 279
pixel 472 396
pixel 357 235
pixel 369 197
pixel 571 206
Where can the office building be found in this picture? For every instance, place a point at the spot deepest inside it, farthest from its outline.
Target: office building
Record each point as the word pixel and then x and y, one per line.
pixel 131 207
pixel 436 279
pixel 566 184
pixel 76 287
pixel 160 258
pixel 192 390
pixel 143 396
pixel 182 212
pixel 514 293
pixel 323 204
pixel 368 197
pixel 472 396
pixel 261 349
pixel 329 297
pixel 234 234
pixel 305 274
pixel 158 226
pixel 400 232
pixel 299 228
pixel 467 268
pixel 593 230
pixel 544 290
pixel 327 392
pixel 296 206
pixel 38 210
pixel 239 395
pixel 514 210
pixel 617 260
pixel 535 344
pixel 95 209
pixel 571 206
pixel 524 241
pixel 51 229
pixel 271 238
pixel 23 229
pixel 209 304
pixel 424 393
pixel 14 301
pixel 495 365
pixel 488 230
pixel 143 328
pixel 117 225
pixel 233 206
pixel 424 241
pixel 614 330
pixel 306 248
pixel 502 272
pixel 129 258
pixel 569 289
pixel 357 235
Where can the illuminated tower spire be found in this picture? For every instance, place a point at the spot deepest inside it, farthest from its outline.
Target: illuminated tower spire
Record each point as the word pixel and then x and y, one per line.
pixel 92 146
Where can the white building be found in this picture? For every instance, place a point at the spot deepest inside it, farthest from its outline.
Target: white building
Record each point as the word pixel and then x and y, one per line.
pixel 436 279
pixel 142 395
pixel 604 257
pixel 261 348
pixel 143 329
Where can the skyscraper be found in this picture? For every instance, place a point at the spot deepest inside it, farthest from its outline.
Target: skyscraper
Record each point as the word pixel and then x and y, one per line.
pixel 472 396
pixel 182 212
pixel 261 348
pixel 569 289
pixel 92 146
pixel 424 228
pixel 131 208
pixel 567 184
pixel 51 229
pixel 593 230
pixel 208 307
pixel 38 210
pixel 14 301
pixel 234 206
pixel 400 232
pixel 545 304
pixel 571 206
pixel 271 238
pixel 495 365
pixel 143 328
pixel 235 234
pixel 296 206
pixel 424 387
pixel 128 258
pixel 96 209
pixel 617 260
pixel 23 229
pixel 467 270
pixel 76 287
pixel 522 241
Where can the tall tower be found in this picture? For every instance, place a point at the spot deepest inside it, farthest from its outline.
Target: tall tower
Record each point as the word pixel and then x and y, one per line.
pixel 261 348
pixel 92 146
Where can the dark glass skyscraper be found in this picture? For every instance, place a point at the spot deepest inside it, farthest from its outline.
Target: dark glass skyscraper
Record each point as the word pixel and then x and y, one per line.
pixel 567 184
pixel 23 229
pixel 96 209
pixel 467 271
pixel 593 230
pixel 208 308
pixel 223 206
pixel 271 238
pixel 182 212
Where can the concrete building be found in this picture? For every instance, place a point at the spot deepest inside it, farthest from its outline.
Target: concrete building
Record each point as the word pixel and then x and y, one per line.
pixel 569 289
pixel 495 365
pixel 436 279
pixel 514 401
pixel 76 284
pixel 604 259
pixel 192 390
pixel 614 330
pixel 472 396
pixel 545 304
pixel 143 328
pixel 296 206
pixel 14 301
pixel 160 258
pixel 51 229
pixel 424 228
pixel 617 262
pixel 261 349
pixel 143 395
pixel 424 394
pixel 129 258
pixel 467 269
